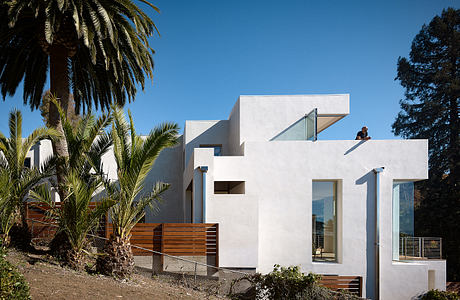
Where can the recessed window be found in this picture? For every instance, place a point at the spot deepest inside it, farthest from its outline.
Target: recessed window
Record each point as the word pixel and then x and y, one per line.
pixel 324 221
pixel 403 219
pixel 229 187
pixel 217 149
pixel 27 162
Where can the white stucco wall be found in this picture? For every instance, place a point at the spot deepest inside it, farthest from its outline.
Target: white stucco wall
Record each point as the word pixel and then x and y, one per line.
pixel 264 117
pixel 235 146
pixel 198 133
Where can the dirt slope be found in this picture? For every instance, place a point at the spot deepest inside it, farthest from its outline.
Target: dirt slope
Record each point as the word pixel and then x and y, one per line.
pixel 47 280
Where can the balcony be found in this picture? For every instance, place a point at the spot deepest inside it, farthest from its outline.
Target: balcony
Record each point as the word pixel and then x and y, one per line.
pixel 420 248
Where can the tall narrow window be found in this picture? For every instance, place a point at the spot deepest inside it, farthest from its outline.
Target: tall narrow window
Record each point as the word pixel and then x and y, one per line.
pixel 324 221
pixel 403 215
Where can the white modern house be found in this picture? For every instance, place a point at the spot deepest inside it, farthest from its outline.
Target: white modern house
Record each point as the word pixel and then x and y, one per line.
pixel 281 195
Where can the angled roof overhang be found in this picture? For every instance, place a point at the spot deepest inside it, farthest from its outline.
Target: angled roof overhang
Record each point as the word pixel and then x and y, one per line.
pixel 326 120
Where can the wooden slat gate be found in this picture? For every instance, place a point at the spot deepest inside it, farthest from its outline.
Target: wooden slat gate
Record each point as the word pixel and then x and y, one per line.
pixel 352 284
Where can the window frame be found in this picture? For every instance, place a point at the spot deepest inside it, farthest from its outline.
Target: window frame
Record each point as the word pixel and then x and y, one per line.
pixel 337 185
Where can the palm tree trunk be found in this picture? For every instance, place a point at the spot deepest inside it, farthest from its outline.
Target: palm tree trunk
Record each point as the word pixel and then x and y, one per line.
pixel 118 259
pixel 59 79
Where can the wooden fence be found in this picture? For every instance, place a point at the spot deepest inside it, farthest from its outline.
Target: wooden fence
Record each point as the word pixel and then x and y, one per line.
pixel 178 239
pixel 38 212
pixel 352 284
pixel 145 235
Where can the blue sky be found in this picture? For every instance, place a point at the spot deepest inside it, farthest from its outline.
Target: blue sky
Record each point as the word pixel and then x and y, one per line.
pixel 210 52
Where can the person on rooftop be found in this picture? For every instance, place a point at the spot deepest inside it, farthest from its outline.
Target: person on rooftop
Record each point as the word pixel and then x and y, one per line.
pixel 362 135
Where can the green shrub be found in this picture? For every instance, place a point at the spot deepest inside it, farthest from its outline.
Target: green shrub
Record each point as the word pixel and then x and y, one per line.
pixel 288 282
pixel 440 295
pixel 284 283
pixel 12 284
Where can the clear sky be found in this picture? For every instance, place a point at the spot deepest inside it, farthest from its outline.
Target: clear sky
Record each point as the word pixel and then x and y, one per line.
pixel 210 52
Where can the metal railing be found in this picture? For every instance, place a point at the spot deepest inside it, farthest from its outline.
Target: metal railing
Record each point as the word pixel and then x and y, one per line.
pixel 413 248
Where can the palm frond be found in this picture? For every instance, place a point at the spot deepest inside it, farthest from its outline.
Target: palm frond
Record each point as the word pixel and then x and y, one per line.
pixel 112 41
pixel 20 178
pixel 135 157
pixel 151 201
pixel 42 194
pixel 37 135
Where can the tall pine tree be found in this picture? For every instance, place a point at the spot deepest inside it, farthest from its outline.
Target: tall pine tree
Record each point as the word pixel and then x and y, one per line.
pixel 430 111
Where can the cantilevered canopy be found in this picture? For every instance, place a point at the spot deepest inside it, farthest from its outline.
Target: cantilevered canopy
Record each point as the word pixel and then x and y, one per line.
pixel 324 121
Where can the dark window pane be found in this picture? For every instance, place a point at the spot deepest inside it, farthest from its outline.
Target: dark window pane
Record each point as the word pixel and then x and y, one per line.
pixel 324 221
pixel 27 162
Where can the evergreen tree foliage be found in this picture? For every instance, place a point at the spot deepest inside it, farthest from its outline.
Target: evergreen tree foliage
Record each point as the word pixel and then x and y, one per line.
pixel 430 111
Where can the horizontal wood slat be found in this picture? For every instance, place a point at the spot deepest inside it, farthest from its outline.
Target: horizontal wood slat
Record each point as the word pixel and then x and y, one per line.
pixel 180 239
pixel 353 284
pixel 39 212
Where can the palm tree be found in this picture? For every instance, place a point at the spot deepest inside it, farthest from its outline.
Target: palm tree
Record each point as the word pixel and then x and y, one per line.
pixel 15 178
pixel 99 48
pixel 75 218
pixel 7 210
pixel 87 142
pixel 135 157
pixel 82 181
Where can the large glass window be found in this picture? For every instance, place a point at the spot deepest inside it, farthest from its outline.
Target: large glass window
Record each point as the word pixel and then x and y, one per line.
pixel 403 215
pixel 324 221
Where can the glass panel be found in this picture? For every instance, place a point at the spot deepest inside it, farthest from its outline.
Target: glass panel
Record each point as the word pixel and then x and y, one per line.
pixel 311 125
pixel 217 150
pixel 324 219
pixel 295 132
pixel 403 215
pixel 303 129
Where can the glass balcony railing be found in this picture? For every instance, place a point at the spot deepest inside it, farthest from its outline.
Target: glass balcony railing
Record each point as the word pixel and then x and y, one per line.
pixel 304 129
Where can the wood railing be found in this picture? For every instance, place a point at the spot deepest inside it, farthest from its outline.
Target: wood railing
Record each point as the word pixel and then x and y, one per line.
pixel 352 284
